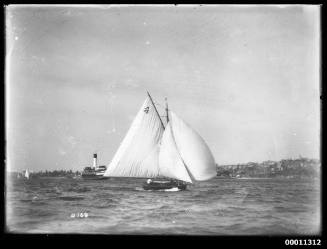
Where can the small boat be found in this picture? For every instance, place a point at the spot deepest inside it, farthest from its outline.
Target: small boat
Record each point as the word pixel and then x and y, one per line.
pixel 163 184
pixel 27 174
pixel 171 156
pixel 96 172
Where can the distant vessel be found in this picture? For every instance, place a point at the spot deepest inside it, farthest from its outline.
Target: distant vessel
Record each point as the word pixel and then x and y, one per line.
pixel 77 176
pixel 171 156
pixel 27 174
pixel 95 172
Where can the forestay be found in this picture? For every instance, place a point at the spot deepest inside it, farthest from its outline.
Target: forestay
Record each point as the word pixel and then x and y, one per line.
pixel 137 155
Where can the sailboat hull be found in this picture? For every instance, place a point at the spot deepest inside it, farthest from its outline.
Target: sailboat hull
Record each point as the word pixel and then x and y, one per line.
pixel 163 185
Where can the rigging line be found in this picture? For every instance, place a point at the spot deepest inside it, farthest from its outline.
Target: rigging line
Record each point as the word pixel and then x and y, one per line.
pixel 163 107
pixel 159 105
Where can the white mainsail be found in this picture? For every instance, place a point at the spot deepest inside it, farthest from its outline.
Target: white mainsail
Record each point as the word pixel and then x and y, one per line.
pixel 195 153
pixel 137 155
pixel 170 162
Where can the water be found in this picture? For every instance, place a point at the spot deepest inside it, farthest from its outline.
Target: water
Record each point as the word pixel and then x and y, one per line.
pixel 121 206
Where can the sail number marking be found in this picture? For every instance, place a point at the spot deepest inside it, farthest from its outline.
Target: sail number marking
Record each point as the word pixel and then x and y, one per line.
pixel 146 109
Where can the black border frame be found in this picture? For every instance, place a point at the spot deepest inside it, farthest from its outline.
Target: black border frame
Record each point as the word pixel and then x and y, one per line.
pixel 261 240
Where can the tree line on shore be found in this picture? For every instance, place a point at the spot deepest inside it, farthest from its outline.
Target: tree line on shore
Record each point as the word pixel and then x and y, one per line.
pixel 48 173
pixel 57 173
pixel 290 168
pixel 301 167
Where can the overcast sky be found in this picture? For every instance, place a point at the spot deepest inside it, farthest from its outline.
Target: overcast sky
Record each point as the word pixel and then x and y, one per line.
pixel 246 78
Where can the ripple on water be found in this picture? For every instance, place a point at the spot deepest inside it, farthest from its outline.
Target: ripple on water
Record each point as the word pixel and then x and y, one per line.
pixel 79 190
pixel 71 198
pixel 108 203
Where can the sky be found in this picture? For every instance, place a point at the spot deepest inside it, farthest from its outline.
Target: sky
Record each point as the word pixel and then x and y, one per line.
pixel 246 78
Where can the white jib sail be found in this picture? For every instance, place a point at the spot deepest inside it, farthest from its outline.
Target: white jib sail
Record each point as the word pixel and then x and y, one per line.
pixel 194 151
pixel 170 162
pixel 137 155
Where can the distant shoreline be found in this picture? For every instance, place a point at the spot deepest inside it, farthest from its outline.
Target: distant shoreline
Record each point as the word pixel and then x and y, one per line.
pixel 286 168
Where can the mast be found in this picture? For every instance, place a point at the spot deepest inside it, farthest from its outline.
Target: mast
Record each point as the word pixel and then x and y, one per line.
pixel 155 108
pixel 167 110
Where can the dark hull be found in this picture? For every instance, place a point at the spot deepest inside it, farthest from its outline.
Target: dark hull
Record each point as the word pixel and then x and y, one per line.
pixel 93 177
pixel 160 185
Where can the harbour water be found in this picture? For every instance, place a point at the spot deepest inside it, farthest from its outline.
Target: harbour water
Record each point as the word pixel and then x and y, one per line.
pixel 121 206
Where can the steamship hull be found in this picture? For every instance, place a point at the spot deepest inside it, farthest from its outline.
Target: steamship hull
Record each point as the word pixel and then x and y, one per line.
pixel 93 177
pixel 94 173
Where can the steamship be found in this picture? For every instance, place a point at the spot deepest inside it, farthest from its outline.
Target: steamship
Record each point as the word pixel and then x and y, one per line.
pixel 95 172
